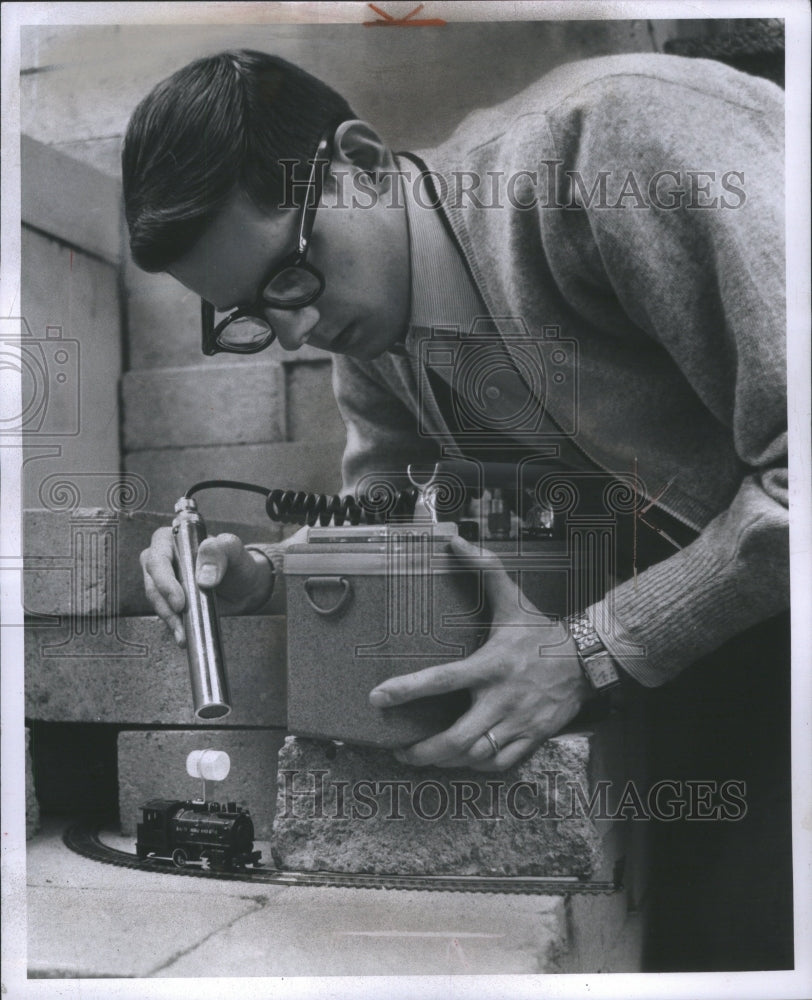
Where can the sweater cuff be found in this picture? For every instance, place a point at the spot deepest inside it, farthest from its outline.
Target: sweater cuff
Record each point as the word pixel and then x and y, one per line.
pixel 672 614
pixel 275 561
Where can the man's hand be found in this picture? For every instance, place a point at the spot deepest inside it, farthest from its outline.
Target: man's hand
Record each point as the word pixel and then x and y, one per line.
pixel 526 682
pixel 243 578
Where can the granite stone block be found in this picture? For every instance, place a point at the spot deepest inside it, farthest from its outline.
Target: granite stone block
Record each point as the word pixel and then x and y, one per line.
pixel 348 808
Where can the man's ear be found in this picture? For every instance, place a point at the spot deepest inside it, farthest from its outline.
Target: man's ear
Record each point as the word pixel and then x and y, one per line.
pixel 357 144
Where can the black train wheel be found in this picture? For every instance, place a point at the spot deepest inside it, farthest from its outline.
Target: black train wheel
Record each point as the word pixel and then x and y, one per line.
pixel 179 857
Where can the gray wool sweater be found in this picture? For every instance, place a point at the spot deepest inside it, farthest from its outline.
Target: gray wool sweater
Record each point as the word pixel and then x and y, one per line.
pixel 676 302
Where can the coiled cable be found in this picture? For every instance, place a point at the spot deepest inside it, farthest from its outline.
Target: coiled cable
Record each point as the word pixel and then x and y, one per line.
pixel 298 507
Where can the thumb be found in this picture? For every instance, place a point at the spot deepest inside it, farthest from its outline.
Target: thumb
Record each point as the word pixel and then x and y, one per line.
pixel 500 590
pixel 211 564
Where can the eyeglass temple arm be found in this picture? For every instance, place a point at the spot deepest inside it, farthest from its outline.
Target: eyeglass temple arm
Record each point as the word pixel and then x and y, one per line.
pixel 315 184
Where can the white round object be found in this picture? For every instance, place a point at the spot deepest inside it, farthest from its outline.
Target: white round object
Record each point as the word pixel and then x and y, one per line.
pixel 212 765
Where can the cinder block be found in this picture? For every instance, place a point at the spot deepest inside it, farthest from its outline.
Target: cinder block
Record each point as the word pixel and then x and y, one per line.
pixel 130 671
pixel 163 320
pixel 349 932
pixel 31 804
pixel 287 465
pixel 72 297
pixel 71 200
pixel 346 808
pixel 203 405
pixel 312 410
pixel 152 765
pixel 86 561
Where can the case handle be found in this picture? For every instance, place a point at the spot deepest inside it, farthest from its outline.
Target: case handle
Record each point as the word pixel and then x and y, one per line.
pixel 325 581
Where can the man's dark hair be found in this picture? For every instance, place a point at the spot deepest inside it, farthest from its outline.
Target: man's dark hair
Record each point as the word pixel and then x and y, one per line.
pixel 218 124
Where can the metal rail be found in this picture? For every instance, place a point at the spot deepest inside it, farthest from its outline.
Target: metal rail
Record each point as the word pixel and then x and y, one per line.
pixel 83 838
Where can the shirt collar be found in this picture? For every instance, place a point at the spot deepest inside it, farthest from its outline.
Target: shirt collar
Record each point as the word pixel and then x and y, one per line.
pixel 442 292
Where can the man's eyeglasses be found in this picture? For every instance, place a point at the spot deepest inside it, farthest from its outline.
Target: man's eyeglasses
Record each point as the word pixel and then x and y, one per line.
pixel 291 284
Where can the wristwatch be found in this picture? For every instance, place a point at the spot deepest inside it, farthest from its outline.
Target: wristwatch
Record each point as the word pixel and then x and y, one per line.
pixel 596 662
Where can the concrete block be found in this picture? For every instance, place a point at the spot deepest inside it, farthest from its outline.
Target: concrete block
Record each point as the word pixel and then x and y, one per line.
pixel 78 935
pixel 85 561
pixel 312 410
pixel 152 765
pixel 103 154
pixel 70 302
pixel 355 932
pixel 286 465
pixel 133 673
pixel 31 804
pixel 346 808
pixel 203 405
pixel 71 200
pixel 163 320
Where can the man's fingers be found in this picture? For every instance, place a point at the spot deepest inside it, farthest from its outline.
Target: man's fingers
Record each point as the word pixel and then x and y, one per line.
pixel 164 612
pixel 158 570
pixel 500 590
pixel 507 756
pixel 454 742
pixel 433 680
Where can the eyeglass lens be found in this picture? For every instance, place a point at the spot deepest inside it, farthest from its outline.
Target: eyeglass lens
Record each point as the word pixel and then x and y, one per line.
pixel 245 334
pixel 287 288
pixel 291 286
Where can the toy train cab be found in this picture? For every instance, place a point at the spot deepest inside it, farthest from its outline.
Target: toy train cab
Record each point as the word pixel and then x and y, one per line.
pixel 218 836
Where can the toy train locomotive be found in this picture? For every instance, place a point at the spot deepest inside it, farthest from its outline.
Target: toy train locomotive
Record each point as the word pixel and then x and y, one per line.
pixel 217 836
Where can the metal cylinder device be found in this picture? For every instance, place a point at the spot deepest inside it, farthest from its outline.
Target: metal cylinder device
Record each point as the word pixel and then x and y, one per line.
pixel 203 647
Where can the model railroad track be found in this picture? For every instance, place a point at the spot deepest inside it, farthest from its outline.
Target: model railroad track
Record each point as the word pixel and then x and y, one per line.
pixel 83 838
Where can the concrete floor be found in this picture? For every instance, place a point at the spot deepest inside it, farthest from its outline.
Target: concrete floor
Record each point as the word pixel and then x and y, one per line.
pixel 87 919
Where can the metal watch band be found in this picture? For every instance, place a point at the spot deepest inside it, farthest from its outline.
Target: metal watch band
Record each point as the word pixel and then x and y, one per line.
pixel 596 661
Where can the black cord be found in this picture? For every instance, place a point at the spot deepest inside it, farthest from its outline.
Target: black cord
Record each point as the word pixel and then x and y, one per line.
pixel 230 484
pixel 298 507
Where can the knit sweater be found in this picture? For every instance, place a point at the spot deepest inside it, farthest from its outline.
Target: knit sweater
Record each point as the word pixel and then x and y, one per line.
pixel 670 279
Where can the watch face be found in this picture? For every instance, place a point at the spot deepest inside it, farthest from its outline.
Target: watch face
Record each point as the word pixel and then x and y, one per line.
pixel 601 671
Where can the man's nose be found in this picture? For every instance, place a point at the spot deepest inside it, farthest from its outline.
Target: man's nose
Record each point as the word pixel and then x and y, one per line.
pixel 293 327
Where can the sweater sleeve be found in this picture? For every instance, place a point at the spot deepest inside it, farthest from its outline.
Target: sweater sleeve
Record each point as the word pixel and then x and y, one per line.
pixel 706 281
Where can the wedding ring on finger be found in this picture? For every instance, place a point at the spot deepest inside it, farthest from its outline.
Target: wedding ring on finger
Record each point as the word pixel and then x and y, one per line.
pixel 495 745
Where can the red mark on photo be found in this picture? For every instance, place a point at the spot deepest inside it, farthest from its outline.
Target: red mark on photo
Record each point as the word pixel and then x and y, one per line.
pixel 385 20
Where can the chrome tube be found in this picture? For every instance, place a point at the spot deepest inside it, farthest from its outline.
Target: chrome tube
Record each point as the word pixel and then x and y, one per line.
pixel 203 647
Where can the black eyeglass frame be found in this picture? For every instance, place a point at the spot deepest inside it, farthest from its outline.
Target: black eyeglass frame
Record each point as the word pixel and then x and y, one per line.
pixel 296 259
